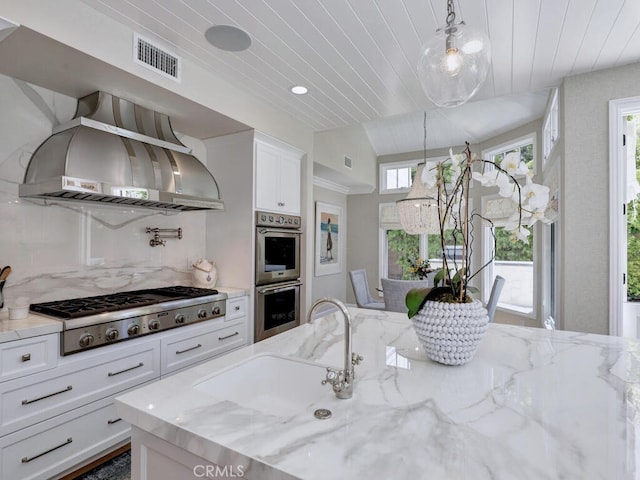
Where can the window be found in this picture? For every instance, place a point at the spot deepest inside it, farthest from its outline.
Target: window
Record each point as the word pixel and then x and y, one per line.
pixel 514 262
pixel 525 146
pixel 396 245
pixel 397 177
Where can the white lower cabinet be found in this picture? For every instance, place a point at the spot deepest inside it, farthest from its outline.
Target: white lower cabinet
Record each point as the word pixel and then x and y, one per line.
pixel 58 444
pixel 57 413
pixel 186 348
pixel 78 380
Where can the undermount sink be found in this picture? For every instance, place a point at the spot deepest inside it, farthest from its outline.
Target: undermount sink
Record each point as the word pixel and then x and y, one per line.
pixel 271 384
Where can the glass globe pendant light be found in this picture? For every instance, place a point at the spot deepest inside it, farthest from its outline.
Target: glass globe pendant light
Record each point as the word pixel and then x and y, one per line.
pixel 454 63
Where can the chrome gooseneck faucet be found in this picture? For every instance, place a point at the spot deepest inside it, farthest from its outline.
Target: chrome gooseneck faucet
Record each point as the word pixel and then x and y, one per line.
pixel 340 380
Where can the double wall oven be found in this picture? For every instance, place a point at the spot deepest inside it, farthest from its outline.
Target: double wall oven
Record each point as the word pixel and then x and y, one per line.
pixel 277 273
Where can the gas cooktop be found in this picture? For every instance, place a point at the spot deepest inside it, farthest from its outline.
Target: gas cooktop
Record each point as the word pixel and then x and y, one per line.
pixel 82 307
pixel 105 319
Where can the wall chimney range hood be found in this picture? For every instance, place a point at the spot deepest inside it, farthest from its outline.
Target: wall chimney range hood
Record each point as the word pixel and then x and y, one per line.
pixel 118 153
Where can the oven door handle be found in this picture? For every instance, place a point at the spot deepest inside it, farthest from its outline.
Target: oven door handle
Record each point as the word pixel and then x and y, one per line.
pixel 279 288
pixel 280 230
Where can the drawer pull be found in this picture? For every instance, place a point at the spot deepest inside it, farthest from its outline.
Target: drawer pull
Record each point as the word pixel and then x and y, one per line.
pixel 116 420
pixel 113 374
pixel 229 336
pixel 27 459
pixel 26 357
pixel 178 352
pixel 237 308
pixel 27 402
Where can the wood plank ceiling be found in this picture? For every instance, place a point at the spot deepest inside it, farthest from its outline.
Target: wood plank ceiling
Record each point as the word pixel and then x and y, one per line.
pixel 358 57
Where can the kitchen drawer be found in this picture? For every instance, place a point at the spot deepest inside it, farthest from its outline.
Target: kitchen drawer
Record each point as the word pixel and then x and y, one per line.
pixel 90 377
pixel 57 445
pixel 29 355
pixel 201 342
pixel 236 308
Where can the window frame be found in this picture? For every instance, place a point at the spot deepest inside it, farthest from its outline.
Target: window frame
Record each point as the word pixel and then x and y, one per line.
pixel 488 274
pixel 384 167
pixel 383 266
pixel 487 237
pixel 529 138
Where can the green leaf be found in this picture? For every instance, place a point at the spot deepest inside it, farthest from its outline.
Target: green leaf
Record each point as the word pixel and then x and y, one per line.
pixel 439 277
pixel 415 299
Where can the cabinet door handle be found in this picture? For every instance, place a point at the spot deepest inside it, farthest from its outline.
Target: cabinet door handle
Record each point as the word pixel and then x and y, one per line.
pixel 229 336
pixel 178 352
pixel 29 459
pixel 237 307
pixel 115 420
pixel 27 402
pixel 113 374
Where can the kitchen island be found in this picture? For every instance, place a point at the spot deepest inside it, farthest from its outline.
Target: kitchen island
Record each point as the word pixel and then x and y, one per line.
pixel 533 404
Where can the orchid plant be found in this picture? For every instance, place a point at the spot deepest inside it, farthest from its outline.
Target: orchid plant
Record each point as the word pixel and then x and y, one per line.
pixel 448 181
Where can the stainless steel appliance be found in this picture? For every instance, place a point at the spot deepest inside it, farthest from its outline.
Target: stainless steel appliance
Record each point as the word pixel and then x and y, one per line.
pixel 118 153
pixel 277 309
pixel 277 248
pixel 277 273
pixel 92 322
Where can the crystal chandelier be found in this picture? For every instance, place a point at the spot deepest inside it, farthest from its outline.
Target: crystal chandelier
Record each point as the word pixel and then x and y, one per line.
pixel 454 63
pixel 418 211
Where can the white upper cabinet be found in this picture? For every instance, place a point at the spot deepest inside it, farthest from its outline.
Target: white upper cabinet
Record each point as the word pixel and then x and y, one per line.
pixel 277 179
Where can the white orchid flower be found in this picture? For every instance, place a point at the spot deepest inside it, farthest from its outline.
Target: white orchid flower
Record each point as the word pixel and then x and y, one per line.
pixel 513 165
pixel 517 232
pixel 535 197
pixel 503 182
pixel 486 179
pixel 430 174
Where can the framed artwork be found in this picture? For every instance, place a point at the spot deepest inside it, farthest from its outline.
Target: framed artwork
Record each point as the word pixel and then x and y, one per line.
pixel 329 238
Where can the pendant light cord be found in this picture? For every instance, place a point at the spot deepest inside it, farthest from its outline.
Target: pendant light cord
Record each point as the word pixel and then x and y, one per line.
pixel 424 143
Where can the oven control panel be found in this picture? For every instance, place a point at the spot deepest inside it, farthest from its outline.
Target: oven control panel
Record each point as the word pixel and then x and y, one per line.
pixel 268 219
pixel 96 335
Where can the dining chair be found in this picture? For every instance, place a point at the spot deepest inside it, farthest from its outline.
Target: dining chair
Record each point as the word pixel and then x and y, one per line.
pixel 498 284
pixel 395 291
pixel 361 290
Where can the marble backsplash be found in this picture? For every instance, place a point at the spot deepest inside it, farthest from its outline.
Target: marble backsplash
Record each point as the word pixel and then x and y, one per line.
pixel 61 250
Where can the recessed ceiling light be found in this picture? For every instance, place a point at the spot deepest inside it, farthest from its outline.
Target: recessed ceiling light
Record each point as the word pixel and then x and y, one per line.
pixel 228 38
pixel 299 89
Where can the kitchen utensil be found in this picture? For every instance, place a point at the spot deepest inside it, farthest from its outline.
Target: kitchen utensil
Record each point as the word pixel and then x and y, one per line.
pixel 5 272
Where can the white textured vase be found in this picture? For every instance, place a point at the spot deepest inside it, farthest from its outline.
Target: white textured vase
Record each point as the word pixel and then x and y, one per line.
pixel 451 332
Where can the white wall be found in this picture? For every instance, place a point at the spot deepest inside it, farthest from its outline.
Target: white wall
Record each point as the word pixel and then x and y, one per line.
pixel 331 146
pixel 584 199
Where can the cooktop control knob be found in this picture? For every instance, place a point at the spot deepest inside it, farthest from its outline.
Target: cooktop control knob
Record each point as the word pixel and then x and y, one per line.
pixel 133 329
pixel 202 314
pixel 111 334
pixel 86 340
pixel 216 310
pixel 154 325
pixel 180 319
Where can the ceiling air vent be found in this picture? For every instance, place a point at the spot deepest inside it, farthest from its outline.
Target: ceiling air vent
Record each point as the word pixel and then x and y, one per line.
pixel 155 58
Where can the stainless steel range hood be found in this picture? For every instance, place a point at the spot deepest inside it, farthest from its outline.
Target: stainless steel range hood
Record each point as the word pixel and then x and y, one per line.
pixel 116 152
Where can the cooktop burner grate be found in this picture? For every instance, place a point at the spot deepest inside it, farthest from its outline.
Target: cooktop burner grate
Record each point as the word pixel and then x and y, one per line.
pixel 82 307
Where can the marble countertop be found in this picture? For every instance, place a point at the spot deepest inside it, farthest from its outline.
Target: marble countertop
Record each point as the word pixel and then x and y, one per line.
pixel 533 404
pixel 32 326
